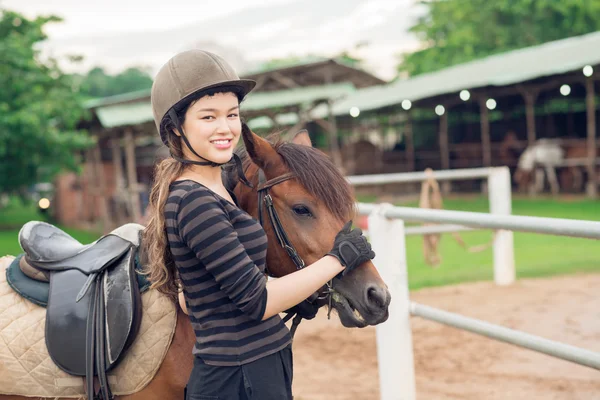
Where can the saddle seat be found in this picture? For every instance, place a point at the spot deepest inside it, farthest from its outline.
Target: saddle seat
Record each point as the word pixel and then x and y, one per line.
pixel 94 305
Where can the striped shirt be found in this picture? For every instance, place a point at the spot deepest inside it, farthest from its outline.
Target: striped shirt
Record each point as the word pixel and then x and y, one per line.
pixel 220 253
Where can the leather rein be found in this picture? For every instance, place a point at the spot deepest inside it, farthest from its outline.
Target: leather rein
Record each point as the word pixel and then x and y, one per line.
pixel 265 199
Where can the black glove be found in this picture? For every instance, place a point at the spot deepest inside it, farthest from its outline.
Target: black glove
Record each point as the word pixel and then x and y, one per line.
pixel 351 248
pixel 305 309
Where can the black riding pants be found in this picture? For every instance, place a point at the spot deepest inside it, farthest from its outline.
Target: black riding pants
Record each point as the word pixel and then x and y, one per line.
pixel 268 378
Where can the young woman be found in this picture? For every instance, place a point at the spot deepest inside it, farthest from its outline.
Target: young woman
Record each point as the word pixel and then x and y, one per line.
pixel 199 239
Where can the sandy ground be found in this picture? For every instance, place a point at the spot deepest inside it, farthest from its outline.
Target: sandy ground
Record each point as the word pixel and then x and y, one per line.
pixel 332 362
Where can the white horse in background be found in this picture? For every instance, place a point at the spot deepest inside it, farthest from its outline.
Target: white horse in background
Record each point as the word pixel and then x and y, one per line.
pixel 543 156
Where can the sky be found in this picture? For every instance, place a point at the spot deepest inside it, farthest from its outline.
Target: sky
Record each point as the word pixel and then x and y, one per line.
pixel 120 33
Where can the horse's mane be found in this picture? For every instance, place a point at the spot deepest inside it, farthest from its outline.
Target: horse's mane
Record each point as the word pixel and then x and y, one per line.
pixel 314 170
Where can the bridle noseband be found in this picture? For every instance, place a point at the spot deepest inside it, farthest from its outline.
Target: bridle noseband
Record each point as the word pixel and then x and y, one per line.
pixel 265 198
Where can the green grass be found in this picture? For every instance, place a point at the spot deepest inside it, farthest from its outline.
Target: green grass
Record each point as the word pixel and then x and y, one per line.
pixel 15 215
pixel 536 255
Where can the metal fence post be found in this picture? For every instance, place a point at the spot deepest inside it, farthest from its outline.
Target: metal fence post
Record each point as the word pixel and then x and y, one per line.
pixel 394 339
pixel 501 204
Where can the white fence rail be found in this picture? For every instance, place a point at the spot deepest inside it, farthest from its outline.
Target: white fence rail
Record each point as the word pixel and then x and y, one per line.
pixel 387 234
pixel 395 354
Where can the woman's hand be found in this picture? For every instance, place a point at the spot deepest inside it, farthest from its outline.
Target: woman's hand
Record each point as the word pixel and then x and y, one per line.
pixel 351 248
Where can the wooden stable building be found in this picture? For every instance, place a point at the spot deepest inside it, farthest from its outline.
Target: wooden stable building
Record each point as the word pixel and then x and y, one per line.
pixel 114 185
pixel 463 116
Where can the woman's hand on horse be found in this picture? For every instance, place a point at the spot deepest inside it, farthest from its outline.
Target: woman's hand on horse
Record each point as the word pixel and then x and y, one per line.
pixel 351 248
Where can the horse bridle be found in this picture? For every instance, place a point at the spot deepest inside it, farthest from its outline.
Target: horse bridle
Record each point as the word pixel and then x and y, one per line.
pixel 264 197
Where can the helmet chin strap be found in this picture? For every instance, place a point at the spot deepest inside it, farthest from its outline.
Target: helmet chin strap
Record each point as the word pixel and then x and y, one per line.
pixel 235 157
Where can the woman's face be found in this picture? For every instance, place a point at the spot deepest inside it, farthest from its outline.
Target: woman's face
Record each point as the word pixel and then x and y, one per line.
pixel 213 127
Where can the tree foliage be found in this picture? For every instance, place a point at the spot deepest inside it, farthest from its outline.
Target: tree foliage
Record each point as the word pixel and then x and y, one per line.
pixel 39 108
pixel 97 83
pixel 457 31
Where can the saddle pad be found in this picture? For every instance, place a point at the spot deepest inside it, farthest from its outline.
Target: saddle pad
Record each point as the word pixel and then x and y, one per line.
pixel 26 368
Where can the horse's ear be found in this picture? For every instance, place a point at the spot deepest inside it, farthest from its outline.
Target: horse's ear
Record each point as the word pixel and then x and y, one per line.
pixel 302 138
pixel 260 151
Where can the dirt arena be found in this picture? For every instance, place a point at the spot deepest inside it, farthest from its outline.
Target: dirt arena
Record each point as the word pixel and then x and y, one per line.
pixel 335 363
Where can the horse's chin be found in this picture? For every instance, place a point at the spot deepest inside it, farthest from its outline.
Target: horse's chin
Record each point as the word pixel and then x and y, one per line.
pixel 349 316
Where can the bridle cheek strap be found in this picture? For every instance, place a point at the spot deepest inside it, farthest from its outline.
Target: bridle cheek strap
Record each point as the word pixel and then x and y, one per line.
pixel 264 198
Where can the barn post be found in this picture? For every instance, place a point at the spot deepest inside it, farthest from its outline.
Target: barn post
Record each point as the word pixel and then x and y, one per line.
pixel 88 188
pixel 394 337
pixel 410 144
pixel 132 183
pixel 101 187
pixel 332 135
pixel 530 97
pixel 444 148
pixel 592 184
pixel 120 213
pixel 332 132
pixel 486 147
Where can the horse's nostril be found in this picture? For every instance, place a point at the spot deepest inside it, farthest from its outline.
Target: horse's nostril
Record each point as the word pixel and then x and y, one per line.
pixel 377 297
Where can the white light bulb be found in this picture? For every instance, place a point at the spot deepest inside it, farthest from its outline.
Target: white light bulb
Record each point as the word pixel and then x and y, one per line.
pixel 355 112
pixel 465 95
pixel 440 110
pixel 490 104
pixel 406 104
pixel 565 90
pixel 588 70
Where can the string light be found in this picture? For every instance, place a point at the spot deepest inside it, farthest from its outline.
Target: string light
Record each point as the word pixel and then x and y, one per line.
pixel 406 104
pixel 440 110
pixel 565 90
pixel 490 104
pixel 588 70
pixel 465 95
pixel 354 112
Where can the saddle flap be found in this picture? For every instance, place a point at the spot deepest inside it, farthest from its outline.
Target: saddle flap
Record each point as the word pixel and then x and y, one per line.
pixel 122 306
pixel 66 321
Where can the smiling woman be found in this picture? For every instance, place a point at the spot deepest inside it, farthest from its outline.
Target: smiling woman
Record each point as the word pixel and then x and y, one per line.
pixel 213 124
pixel 200 239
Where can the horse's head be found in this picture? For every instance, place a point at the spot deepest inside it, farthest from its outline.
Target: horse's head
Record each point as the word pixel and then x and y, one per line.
pixel 523 176
pixel 312 205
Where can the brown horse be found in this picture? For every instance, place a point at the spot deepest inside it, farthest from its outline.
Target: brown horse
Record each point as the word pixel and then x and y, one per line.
pixel 360 298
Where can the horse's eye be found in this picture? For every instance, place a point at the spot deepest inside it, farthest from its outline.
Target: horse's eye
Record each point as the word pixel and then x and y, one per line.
pixel 302 211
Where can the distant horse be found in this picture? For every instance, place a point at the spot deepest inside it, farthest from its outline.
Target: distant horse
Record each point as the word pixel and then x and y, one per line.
pixel 543 156
pixel 300 180
pixel 573 177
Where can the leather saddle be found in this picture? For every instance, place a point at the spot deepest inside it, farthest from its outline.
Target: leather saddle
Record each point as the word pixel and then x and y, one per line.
pixel 94 306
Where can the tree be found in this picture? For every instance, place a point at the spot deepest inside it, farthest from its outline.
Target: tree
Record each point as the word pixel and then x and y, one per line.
pixel 39 108
pixel 457 31
pixel 97 83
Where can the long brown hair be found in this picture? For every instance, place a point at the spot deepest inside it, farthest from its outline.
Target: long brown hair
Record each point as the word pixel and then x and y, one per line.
pixel 156 256
pixel 157 259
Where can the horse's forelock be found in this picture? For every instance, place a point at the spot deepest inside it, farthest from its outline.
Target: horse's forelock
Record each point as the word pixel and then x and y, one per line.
pixel 315 171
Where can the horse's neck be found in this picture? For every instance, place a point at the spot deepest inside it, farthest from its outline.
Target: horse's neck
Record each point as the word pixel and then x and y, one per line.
pixel 543 153
pixel 527 159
